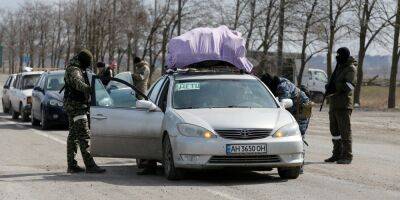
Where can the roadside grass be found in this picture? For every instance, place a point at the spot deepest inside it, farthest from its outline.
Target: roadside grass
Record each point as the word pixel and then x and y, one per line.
pixel 376 97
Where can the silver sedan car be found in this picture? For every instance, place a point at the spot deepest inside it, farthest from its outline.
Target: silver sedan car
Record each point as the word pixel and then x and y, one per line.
pixel 196 121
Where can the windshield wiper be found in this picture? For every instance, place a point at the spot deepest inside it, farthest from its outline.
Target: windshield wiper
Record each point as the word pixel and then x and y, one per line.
pixel 189 107
pixel 233 106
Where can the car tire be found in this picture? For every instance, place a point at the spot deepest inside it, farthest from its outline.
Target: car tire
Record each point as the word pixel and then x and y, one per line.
pixel 34 121
pixel 170 171
pixel 14 115
pixel 5 109
pixel 24 116
pixel 44 123
pixel 289 173
pixel 146 164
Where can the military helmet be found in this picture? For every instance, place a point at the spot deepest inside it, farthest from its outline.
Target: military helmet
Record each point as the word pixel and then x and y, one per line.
pixel 85 58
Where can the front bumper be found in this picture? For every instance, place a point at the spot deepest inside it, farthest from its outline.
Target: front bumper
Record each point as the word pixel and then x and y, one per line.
pixel 56 115
pixel 199 153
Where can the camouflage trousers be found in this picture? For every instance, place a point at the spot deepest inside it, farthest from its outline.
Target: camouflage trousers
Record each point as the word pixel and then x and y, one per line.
pixel 78 135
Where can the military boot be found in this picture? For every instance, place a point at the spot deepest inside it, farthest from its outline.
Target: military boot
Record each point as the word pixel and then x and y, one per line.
pixel 347 155
pixel 75 169
pixel 337 151
pixel 92 167
pixel 95 169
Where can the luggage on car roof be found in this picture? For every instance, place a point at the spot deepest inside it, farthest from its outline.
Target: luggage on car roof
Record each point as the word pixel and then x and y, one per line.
pixel 208 44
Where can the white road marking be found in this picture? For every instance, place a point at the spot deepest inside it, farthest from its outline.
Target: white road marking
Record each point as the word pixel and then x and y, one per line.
pixel 43 134
pixel 222 194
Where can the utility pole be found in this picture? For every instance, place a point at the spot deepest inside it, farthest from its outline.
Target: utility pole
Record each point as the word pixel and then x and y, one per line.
pixel 179 16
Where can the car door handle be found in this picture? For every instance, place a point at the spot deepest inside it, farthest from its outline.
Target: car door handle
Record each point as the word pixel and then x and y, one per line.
pixel 99 117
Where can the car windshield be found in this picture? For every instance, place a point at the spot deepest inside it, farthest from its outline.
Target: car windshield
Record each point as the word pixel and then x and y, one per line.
pixel 55 82
pixel 235 93
pixel 29 81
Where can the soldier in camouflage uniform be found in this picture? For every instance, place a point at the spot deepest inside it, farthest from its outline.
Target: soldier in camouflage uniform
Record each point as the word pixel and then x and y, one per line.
pixel 76 104
pixel 340 92
pixel 142 75
pixel 284 89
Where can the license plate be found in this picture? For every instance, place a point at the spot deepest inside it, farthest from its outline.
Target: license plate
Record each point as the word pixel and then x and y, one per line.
pixel 246 148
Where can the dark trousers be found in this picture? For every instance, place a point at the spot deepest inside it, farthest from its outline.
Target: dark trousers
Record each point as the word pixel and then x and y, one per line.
pixel 340 127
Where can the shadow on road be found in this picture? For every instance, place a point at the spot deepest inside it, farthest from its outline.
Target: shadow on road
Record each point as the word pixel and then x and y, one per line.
pixel 126 176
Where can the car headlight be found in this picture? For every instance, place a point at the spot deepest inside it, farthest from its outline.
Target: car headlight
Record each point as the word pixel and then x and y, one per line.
pixel 54 102
pixel 288 130
pixel 191 130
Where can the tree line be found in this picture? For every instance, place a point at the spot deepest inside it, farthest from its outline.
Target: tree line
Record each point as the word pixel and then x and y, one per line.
pixel 42 34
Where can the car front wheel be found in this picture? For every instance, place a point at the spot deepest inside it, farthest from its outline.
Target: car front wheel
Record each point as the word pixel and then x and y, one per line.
pixel 289 173
pixel 34 121
pixel 171 172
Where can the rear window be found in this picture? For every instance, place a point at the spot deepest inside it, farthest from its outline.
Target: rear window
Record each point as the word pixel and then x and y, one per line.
pixel 29 81
pixel 55 82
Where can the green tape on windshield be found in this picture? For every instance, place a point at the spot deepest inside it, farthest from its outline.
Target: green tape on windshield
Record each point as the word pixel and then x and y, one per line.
pixel 187 86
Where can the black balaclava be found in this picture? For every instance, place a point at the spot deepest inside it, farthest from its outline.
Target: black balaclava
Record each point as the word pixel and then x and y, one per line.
pixel 343 54
pixel 137 60
pixel 85 58
pixel 101 65
pixel 270 81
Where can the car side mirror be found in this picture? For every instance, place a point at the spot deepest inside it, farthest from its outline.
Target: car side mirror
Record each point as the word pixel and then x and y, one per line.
pixel 37 88
pixel 145 104
pixel 286 103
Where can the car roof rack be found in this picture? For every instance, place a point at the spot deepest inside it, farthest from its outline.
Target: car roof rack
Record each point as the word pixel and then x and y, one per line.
pixel 208 67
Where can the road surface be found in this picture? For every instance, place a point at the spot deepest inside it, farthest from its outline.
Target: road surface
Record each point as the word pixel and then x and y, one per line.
pixel 33 166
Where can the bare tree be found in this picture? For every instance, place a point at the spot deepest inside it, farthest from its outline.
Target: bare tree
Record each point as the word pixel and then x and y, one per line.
pixel 371 21
pixel 395 60
pixel 336 10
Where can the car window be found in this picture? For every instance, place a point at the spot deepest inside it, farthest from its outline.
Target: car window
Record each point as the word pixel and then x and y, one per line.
pixel 15 84
pixel 320 76
pixel 126 76
pixel 55 82
pixel 42 82
pixel 213 93
pixel 29 81
pixel 162 100
pixel 7 83
pixel 38 84
pixel 155 90
pixel 118 96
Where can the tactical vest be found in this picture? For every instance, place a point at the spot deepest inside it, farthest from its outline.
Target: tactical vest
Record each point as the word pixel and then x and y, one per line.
pixel 71 94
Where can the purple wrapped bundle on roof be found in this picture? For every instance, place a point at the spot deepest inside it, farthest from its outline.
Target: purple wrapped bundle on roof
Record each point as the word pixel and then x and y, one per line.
pixel 204 44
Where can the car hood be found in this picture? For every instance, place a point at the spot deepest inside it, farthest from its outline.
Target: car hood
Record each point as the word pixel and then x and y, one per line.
pixel 237 118
pixel 55 95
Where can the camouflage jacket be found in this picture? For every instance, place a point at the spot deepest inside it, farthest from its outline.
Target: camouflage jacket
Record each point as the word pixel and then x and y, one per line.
pixel 342 99
pixel 141 77
pixel 288 90
pixel 74 78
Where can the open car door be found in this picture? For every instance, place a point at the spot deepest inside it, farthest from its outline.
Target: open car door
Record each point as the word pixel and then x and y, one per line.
pixel 121 125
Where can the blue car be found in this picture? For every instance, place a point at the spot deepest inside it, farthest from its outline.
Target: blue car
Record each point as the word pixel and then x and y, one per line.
pixel 47 101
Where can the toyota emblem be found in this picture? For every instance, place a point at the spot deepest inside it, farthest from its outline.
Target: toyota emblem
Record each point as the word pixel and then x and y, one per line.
pixel 244 132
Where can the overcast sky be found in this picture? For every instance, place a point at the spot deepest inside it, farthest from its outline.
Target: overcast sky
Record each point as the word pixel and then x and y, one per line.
pixel 353 44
